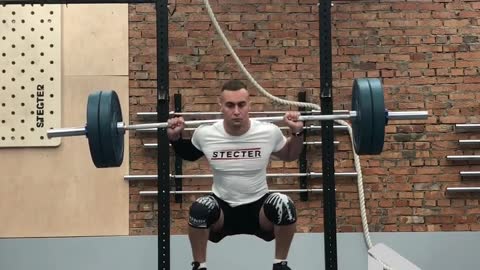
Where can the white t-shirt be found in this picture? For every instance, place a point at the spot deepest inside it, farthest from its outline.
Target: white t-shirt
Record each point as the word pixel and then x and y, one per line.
pixel 239 163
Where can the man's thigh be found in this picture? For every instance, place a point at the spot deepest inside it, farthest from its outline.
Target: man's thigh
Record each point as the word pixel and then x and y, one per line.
pixel 244 219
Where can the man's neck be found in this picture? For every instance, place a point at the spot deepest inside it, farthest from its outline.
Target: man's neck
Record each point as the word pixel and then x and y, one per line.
pixel 237 130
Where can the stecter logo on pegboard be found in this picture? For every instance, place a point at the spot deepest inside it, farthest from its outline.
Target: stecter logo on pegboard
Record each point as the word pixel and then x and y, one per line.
pixel 30 74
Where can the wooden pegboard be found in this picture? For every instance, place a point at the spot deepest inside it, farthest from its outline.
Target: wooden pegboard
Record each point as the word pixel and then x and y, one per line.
pixel 30 74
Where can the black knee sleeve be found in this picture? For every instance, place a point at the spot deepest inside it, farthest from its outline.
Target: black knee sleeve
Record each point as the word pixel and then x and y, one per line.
pixel 204 212
pixel 279 209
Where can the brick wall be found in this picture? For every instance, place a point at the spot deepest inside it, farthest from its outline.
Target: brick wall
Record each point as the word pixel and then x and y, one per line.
pixel 427 52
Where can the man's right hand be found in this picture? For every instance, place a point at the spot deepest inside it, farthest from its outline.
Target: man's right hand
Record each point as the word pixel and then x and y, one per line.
pixel 175 128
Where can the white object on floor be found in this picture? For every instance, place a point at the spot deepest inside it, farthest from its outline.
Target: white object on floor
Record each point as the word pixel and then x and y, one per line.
pixel 389 257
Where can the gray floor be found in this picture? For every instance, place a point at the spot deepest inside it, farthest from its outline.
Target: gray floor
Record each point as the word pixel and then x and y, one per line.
pixel 436 251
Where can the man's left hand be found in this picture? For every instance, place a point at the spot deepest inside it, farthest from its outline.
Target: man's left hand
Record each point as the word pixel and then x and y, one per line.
pixel 291 120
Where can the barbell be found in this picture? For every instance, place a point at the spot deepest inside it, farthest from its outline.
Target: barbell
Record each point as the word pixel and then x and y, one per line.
pixel 105 129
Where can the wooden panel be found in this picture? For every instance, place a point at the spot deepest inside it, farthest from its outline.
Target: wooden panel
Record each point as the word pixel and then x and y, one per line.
pixel 30 77
pixel 54 192
pixel 58 191
pixel 95 39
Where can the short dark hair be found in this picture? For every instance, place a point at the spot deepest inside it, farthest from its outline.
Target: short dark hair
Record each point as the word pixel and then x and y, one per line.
pixel 234 85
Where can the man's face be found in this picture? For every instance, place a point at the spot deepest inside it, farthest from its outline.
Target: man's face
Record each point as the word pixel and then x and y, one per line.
pixel 235 106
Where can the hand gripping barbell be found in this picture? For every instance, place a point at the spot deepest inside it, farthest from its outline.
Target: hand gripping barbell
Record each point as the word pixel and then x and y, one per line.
pixel 105 129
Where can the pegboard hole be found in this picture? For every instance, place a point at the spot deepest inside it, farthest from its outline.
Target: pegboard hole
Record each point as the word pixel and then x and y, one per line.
pixel 41 70
pixel 13 29
pixel 13 96
pixel 23 70
pixel 32 79
pixel 22 138
pixel 51 112
pixel 32 29
pixel 22 54
pixel 12 138
pixel 13 112
pixel 12 129
pixel 32 62
pixel 22 87
pixel 13 79
pixel 51 79
pixel 51 29
pixel 3 104
pixel 42 37
pixel 42 54
pixel 13 62
pixel 22 104
pixel 32 129
pixel 23 37
pixel 52 95
pixel 32 112
pixel 22 121
pixel 23 21
pixel 3 138
pixel 32 95
pixel 3 121
pixel 41 137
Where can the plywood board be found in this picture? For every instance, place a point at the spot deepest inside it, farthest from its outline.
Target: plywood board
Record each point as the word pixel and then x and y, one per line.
pixel 95 39
pixel 58 191
pixel 30 74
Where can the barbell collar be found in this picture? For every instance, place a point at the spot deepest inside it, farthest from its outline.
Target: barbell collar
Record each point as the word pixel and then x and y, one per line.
pixel 77 131
pixel 66 132
pixel 407 115
pixel 401 115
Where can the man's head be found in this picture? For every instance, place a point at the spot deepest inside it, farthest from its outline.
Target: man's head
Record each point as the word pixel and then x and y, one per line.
pixel 235 104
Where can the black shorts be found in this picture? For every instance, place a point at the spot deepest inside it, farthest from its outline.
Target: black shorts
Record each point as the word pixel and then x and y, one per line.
pixel 243 219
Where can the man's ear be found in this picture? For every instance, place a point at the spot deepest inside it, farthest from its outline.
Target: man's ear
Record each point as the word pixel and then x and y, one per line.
pixel 219 100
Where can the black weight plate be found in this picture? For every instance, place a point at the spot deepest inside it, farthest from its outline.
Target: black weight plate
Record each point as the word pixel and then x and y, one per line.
pixel 93 129
pixel 112 140
pixel 369 125
pixel 379 117
pixel 362 124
